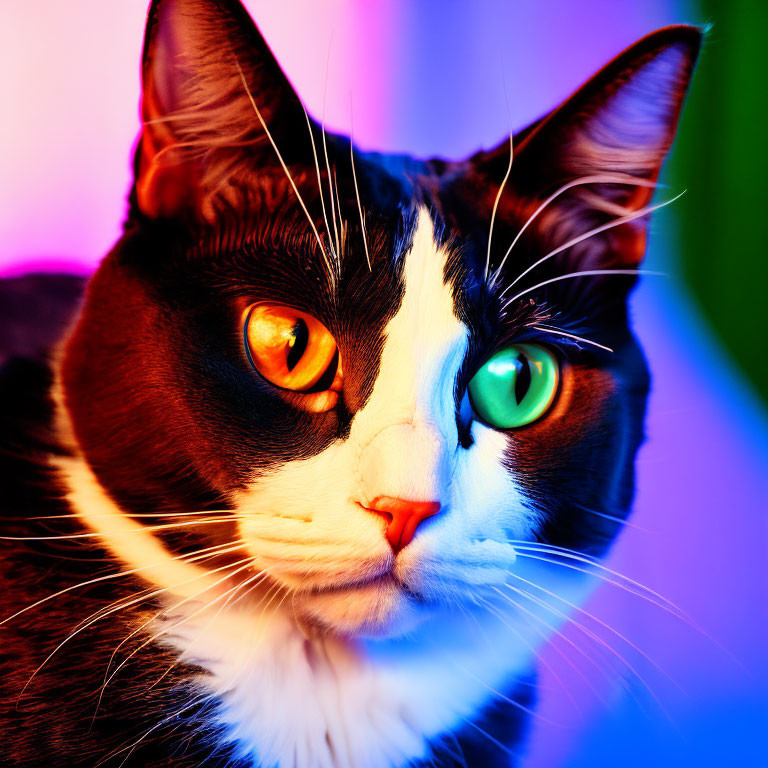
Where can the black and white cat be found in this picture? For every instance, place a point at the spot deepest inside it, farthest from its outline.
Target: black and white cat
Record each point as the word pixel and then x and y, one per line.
pixel 334 436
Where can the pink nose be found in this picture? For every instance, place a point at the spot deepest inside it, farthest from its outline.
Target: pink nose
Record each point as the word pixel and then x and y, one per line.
pixel 403 517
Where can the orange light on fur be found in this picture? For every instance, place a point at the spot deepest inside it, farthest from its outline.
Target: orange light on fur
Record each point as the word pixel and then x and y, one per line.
pixel 167 181
pixel 290 348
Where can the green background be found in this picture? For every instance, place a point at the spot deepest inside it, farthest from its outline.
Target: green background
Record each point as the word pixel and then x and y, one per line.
pixel 721 159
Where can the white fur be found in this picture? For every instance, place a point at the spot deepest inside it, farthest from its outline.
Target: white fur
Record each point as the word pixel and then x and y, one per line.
pixel 392 673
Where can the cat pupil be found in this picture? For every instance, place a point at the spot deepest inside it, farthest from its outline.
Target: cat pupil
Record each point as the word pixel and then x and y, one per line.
pixel 523 378
pixel 298 344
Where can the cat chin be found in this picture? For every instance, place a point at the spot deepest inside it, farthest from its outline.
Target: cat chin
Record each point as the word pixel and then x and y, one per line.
pixel 379 609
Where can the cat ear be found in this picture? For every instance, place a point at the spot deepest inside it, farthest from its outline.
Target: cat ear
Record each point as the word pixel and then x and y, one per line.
pixel 203 62
pixel 619 126
pixel 620 123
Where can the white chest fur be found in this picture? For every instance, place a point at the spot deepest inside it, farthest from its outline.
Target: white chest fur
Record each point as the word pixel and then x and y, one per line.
pixel 295 702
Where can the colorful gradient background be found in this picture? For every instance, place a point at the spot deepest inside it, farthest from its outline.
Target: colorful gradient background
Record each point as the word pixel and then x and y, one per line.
pixel 429 78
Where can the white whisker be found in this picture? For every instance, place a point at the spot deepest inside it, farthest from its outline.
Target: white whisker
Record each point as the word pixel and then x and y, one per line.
pixel 553 630
pixel 109 677
pixel 141 530
pixel 245 588
pixel 190 558
pixel 325 151
pixel 540 659
pixel 342 225
pixel 139 515
pixel 490 738
pixel 591 233
pixel 571 336
pixel 613 518
pixel 175 715
pixel 496 204
pixel 499 694
pixel 601 179
pixel 598 621
pixel 100 614
pixel 583 273
pixel 320 185
pixel 645 593
pixel 285 168
pixel 354 179
pixel 597 639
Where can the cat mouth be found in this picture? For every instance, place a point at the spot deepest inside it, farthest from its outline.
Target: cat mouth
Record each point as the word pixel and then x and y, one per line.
pixel 378 606
pixel 384 579
pixel 387 580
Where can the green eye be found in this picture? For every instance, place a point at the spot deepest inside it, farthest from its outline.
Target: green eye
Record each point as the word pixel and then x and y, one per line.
pixel 515 387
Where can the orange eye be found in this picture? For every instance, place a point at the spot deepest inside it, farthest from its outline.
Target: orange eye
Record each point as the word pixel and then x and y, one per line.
pixel 291 349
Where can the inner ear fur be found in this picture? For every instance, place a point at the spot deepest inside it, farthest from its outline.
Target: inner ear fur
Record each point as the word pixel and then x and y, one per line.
pixel 200 131
pixel 622 121
pixel 618 126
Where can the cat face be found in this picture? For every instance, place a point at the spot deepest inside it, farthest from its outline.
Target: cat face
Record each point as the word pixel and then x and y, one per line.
pixel 378 378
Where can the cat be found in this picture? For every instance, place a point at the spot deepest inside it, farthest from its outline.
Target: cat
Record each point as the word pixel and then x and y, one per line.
pixel 335 438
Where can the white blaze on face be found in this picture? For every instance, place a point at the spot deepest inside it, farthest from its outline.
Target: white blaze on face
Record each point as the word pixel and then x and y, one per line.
pixel 338 701
pixel 304 522
pixel 407 433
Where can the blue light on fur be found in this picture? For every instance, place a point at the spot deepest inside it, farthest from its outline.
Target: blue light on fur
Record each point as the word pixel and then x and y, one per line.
pixel 699 530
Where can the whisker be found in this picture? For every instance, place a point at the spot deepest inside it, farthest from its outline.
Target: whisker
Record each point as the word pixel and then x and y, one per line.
pixel 571 336
pixel 603 624
pixel 541 660
pixel 490 738
pixel 191 557
pixel 555 632
pixel 141 515
pixel 598 575
pixel 325 150
pixel 496 204
pixel 285 168
pixel 613 518
pixel 591 233
pixel 583 273
pixel 109 677
pixel 598 179
pixel 140 529
pixel 113 610
pixel 597 639
pixel 528 619
pixel 131 747
pixel 174 715
pixel 531 712
pixel 319 183
pixel 342 225
pixel 248 585
pixel 470 614
pixel 645 592
pixel 354 179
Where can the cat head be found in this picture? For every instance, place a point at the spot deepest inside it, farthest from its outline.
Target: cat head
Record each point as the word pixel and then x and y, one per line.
pixel 380 378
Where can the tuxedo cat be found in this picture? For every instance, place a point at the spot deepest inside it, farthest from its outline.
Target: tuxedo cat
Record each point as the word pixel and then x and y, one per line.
pixel 335 439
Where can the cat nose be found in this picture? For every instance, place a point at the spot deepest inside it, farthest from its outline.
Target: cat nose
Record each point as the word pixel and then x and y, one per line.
pixel 403 517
